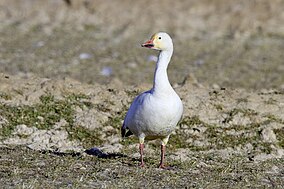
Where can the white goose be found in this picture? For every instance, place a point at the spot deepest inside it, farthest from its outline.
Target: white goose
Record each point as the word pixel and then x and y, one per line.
pixel 154 114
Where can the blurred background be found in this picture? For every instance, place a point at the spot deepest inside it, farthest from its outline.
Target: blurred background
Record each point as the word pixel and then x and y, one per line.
pixel 229 43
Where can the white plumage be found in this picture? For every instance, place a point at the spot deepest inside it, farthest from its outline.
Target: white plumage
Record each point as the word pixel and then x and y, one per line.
pixel 154 114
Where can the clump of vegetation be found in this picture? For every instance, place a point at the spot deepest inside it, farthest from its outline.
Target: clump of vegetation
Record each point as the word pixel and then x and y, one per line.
pixel 273 118
pixel 181 135
pixel 280 136
pixel 132 93
pixel 242 100
pixel 235 111
pixel 88 138
pixel 218 137
pixel 190 121
pixel 44 114
pixel 49 110
pixel 5 96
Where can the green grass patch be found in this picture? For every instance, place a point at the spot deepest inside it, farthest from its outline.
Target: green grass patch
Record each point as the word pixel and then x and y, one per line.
pixel 49 111
pixel 218 137
pixel 5 96
pixel 132 93
pixel 42 115
pixel 235 111
pixel 182 135
pixel 190 121
pixel 88 138
pixel 280 136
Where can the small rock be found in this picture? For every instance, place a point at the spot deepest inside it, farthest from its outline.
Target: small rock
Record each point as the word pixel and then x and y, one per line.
pixel 40 118
pixel 60 124
pixel 57 136
pixel 216 86
pixel 108 128
pixel 84 56
pixel 39 44
pixel 132 64
pixel 114 148
pixel 181 154
pixel 274 170
pixel 24 130
pixel 240 119
pixel 15 141
pixel 87 119
pixel 248 147
pixel 106 71
pixel 3 121
pixel 114 139
pixel 268 135
pixel 199 62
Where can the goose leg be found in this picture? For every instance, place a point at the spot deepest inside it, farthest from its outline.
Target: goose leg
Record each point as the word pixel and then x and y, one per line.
pixel 141 150
pixel 163 151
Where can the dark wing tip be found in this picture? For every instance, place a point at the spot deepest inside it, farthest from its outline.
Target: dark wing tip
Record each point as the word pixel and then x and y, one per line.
pixel 125 132
pixel 128 133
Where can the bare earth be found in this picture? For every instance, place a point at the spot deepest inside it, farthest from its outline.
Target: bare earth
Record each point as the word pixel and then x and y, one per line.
pixel 70 72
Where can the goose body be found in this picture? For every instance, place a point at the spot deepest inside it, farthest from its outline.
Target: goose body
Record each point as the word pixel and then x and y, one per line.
pixel 154 114
pixel 150 117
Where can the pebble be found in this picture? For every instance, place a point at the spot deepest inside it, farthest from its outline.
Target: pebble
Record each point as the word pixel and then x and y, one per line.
pixel 84 56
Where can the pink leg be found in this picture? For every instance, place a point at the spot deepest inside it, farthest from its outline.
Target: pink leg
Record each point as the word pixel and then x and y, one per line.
pixel 141 149
pixel 163 150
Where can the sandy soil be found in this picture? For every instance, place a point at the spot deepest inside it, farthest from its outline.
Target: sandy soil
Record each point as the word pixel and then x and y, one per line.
pixel 237 113
pixel 226 124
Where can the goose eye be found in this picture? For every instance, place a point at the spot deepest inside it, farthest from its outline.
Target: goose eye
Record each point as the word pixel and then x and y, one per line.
pixel 160 38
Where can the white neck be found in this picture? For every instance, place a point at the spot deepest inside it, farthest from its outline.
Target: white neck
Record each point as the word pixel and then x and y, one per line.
pixel 161 82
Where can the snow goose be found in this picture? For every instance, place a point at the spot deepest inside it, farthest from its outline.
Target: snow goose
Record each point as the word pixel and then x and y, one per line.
pixel 154 114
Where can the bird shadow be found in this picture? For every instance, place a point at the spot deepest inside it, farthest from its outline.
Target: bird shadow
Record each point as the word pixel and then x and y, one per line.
pixel 126 160
pixel 92 151
pixel 58 153
pixel 132 162
pixel 100 154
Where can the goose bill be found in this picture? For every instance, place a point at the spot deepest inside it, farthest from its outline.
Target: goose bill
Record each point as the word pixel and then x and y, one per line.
pixel 148 44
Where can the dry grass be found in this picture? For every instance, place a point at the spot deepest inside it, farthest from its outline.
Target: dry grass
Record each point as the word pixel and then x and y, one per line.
pixel 29 169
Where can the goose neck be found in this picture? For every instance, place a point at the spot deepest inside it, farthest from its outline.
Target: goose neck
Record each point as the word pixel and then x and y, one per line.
pixel 161 81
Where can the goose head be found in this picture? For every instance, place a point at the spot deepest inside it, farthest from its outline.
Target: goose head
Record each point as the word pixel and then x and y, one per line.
pixel 159 41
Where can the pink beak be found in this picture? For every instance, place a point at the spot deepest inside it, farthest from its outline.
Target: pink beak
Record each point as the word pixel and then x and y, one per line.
pixel 148 44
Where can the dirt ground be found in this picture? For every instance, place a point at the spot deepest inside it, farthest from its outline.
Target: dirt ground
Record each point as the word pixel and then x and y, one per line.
pixel 229 43
pixel 70 71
